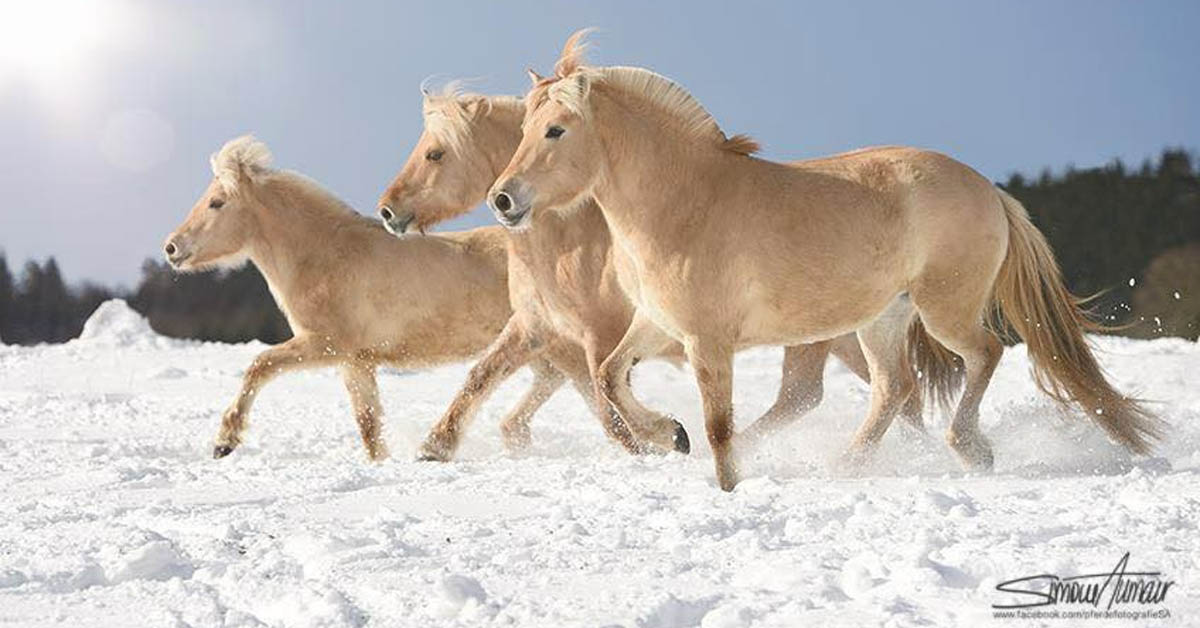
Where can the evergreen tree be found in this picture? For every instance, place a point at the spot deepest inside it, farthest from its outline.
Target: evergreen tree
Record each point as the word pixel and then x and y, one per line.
pixel 45 304
pixel 7 301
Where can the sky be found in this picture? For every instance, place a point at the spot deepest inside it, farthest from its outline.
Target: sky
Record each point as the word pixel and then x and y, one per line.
pixel 109 110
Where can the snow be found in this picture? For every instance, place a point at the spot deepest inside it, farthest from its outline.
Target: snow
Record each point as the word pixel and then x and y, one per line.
pixel 115 325
pixel 113 513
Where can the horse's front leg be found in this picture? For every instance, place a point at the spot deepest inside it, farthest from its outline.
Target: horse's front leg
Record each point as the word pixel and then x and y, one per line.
pixel 633 421
pixel 712 361
pixel 359 378
pixel 297 353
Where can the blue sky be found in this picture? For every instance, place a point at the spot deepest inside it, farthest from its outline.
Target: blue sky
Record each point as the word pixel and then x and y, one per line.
pixel 107 127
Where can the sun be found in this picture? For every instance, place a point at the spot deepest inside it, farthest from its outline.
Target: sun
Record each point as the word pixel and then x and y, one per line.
pixel 46 41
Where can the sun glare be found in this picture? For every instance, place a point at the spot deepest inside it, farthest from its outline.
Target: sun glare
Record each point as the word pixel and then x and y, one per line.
pixel 46 41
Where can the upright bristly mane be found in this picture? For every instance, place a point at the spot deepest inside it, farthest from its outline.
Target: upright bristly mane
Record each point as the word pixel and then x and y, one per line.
pixel 572 79
pixel 249 157
pixel 450 111
pixel 244 155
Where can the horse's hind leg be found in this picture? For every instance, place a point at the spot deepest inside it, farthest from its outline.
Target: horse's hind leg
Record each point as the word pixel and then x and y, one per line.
pixel 364 398
pixel 800 389
pixel 848 350
pixel 515 427
pixel 980 351
pixel 957 323
pixel 297 353
pixel 511 350
pixel 883 343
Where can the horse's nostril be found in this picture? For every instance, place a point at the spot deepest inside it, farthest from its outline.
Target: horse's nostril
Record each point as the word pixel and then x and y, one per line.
pixel 503 202
pixel 385 213
pixel 170 248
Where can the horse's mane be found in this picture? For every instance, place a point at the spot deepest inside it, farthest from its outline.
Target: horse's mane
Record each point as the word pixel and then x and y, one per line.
pixel 324 199
pixel 240 155
pixel 568 87
pixel 449 112
pixel 248 156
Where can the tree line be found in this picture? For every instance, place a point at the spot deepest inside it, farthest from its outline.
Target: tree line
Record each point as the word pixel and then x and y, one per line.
pixel 1128 237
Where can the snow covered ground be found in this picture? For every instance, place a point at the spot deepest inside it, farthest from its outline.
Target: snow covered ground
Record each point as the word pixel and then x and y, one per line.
pixel 112 513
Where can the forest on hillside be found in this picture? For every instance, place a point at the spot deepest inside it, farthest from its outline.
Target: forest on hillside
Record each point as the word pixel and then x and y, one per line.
pixel 1128 236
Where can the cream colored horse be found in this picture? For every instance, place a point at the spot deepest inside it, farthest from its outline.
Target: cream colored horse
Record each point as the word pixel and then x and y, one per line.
pixel 354 296
pixel 732 251
pixel 563 280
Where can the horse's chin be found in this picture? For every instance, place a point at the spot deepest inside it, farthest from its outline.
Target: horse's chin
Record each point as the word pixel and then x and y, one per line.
pixel 193 264
pixel 519 223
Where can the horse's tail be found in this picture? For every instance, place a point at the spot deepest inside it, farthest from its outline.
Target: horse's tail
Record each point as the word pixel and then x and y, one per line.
pixel 938 371
pixel 1033 299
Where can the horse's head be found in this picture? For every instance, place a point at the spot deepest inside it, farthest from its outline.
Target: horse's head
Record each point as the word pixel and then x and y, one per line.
pixel 559 156
pixel 585 123
pixel 217 229
pixel 464 143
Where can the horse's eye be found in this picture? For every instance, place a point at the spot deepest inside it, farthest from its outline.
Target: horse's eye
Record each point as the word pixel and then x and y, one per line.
pixel 435 154
pixel 555 132
pixel 216 203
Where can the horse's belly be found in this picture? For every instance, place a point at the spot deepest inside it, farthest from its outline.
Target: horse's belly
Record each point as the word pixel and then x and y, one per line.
pixel 804 316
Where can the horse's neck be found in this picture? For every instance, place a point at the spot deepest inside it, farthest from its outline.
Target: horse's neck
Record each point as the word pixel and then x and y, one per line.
pixel 554 233
pixel 501 134
pixel 654 184
pixel 287 236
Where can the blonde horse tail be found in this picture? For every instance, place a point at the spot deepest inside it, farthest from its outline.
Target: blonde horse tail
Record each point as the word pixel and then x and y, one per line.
pixel 938 372
pixel 1033 299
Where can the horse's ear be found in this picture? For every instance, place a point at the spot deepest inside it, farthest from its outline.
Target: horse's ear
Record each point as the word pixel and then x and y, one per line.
pixel 248 173
pixel 534 77
pixel 572 89
pixel 583 84
pixel 473 106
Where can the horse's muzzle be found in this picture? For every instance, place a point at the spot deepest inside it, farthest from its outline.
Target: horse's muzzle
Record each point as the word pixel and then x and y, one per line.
pixel 510 204
pixel 396 221
pixel 175 253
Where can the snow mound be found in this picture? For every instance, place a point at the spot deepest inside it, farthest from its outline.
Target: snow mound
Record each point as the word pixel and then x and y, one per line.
pixel 156 560
pixel 464 598
pixel 114 324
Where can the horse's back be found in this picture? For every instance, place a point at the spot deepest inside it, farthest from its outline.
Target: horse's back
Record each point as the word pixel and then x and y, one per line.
pixel 491 242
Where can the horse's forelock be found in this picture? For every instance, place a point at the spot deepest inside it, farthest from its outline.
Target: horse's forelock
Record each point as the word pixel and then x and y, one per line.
pixel 448 112
pixel 573 53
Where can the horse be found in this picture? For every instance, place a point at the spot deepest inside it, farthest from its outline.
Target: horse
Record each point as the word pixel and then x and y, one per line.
pixel 354 296
pixel 564 279
pixel 732 251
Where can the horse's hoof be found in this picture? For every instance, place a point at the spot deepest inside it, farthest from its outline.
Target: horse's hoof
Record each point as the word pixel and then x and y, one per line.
pixel 429 455
pixel 852 463
pixel 727 481
pixel 220 451
pixel 516 440
pixel 682 443
pixel 974 452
